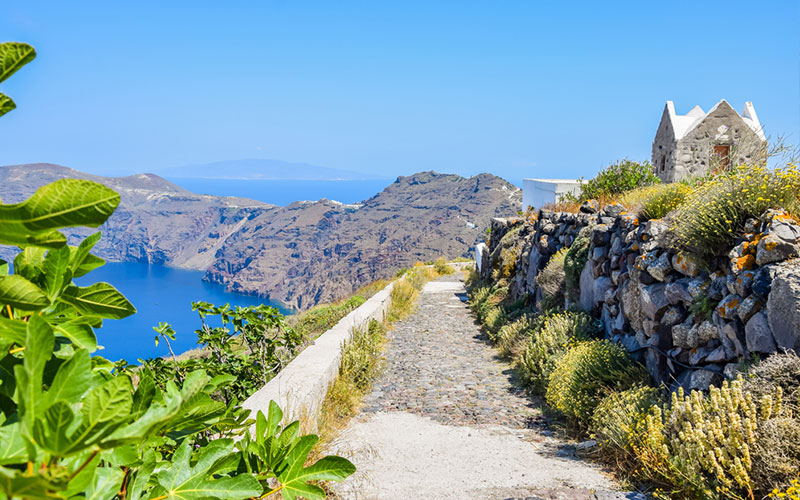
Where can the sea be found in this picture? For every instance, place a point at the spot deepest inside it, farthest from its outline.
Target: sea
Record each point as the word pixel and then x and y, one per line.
pixel 160 294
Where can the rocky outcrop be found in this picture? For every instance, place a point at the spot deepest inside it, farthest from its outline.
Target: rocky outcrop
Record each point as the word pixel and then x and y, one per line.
pixel 687 325
pixel 307 253
pixel 301 254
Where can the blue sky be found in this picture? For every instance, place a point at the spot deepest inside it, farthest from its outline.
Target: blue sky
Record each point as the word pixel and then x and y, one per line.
pixel 519 89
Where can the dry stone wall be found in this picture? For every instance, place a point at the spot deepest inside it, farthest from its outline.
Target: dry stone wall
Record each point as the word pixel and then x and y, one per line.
pixel 690 327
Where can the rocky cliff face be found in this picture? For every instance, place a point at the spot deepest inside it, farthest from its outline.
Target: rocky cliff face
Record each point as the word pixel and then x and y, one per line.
pixel 301 254
pixel 156 222
pixel 308 253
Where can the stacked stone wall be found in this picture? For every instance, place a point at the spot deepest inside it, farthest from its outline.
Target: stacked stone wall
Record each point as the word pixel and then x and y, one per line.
pixel 689 326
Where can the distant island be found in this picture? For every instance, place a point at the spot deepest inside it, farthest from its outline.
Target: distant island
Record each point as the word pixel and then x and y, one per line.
pixel 263 169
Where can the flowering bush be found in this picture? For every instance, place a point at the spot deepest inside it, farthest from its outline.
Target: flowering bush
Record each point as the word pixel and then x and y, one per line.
pixel 585 373
pixel 549 340
pixel 702 446
pixel 791 493
pixel 552 281
pixel 664 199
pixel 618 419
pixel 714 215
pixel 511 335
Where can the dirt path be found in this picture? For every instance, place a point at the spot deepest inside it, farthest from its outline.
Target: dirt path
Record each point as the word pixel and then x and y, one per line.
pixel 446 420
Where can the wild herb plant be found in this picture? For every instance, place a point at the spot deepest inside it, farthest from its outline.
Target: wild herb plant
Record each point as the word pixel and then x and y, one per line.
pixel 714 215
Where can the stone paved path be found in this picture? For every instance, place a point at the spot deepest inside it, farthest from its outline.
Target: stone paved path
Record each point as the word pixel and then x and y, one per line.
pixel 446 420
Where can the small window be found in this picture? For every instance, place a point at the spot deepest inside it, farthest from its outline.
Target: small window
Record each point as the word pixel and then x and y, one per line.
pixel 664 163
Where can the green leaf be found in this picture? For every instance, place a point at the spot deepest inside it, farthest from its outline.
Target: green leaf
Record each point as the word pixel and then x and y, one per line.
pixel 12 446
pixel 6 104
pixel 63 203
pixel 39 349
pixel 78 330
pixel 3 268
pixel 141 479
pixel 29 263
pixel 295 477
pixel 73 378
pixel 81 481
pixel 184 481
pixel 13 56
pixel 13 331
pixel 20 293
pixel 16 484
pixel 106 484
pixel 81 261
pixel 100 299
pixel 51 432
pixel 108 401
pixel 57 274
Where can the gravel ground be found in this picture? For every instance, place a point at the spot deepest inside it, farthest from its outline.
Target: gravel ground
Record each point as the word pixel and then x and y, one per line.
pixel 446 420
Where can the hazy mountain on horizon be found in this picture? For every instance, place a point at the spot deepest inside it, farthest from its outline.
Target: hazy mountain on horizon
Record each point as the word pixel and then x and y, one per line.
pixel 263 169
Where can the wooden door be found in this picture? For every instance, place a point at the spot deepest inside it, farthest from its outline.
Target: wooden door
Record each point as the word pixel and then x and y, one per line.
pixel 722 155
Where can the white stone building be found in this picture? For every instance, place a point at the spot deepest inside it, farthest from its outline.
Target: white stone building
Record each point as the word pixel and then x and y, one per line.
pixel 538 192
pixel 698 142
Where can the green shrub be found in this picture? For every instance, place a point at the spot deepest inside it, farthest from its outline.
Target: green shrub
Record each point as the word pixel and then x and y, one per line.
pixel 703 446
pixel 494 319
pixel 504 257
pixel 442 268
pixel 574 262
pixel 618 419
pixel 585 373
pixel 512 334
pixel 664 200
pixel 478 295
pixel 617 178
pixel 550 338
pixel 708 223
pixel 552 282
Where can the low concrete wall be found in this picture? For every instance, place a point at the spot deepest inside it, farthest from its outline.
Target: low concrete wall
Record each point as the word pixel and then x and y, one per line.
pixel 300 388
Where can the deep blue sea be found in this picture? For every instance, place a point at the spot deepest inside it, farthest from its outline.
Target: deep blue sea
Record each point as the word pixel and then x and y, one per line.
pixel 159 294
pixel 285 192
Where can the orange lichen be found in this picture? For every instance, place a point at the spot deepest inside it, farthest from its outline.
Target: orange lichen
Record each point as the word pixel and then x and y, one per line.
pixel 746 262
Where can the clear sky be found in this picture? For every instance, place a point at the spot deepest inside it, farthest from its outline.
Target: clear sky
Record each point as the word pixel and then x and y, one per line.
pixel 519 89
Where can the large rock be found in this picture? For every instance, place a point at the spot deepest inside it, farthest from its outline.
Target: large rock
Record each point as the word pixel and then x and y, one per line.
pixel 696 380
pixel 678 291
pixel 660 268
pixel 685 265
pixel 729 305
pixel 781 241
pixel 654 300
pixel 762 281
pixel 601 286
pixel 587 288
pixel 534 263
pixel 783 306
pixel 759 335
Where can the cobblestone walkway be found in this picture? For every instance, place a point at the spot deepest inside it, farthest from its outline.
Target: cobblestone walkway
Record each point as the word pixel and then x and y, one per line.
pixel 440 365
pixel 446 420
